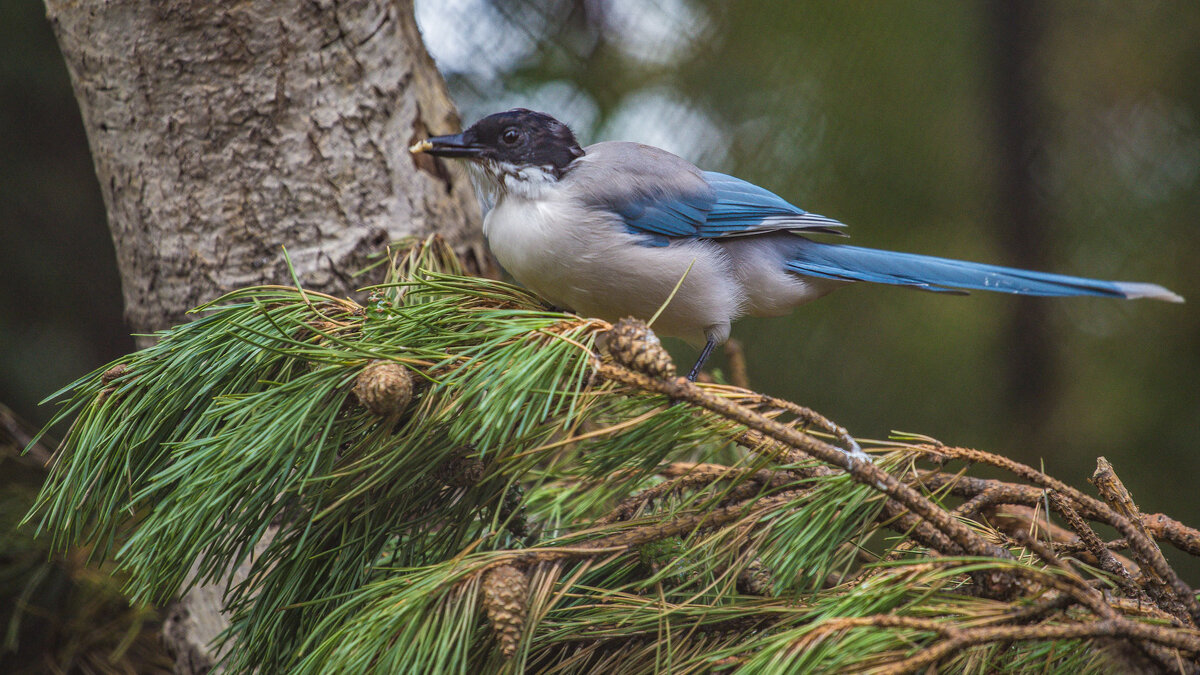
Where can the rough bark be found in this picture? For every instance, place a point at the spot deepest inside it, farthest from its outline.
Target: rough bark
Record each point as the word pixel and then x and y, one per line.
pixel 222 132
pixel 194 622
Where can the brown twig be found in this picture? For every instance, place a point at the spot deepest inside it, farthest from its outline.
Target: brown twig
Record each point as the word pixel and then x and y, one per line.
pixel 1113 491
pixel 1160 526
pixel 965 540
pixel 893 515
pixel 697 478
pixel 1096 546
pixel 1166 528
pixel 1071 584
pixel 644 534
pixel 809 418
pixel 1077 591
pixel 1010 518
pixel 1040 549
pixel 1143 548
pixel 958 639
pixel 978 503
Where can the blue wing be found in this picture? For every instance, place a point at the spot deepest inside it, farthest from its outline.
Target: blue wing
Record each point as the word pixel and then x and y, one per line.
pixel 679 215
pixel 742 208
pixel 723 206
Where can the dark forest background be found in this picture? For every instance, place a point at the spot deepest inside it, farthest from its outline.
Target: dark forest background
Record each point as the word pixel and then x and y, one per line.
pixel 1061 135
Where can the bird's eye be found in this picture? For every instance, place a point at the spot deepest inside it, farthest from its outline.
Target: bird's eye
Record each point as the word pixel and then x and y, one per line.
pixel 510 136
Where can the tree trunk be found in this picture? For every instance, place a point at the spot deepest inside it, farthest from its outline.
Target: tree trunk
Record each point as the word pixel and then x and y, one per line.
pixel 1021 210
pixel 224 131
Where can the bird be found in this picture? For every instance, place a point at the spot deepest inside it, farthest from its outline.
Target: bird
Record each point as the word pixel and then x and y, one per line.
pixel 619 229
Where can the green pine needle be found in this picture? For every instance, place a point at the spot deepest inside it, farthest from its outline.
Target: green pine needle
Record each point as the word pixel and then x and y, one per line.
pixel 237 441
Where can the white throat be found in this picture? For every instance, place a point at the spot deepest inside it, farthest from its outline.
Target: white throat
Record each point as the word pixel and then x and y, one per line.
pixel 497 180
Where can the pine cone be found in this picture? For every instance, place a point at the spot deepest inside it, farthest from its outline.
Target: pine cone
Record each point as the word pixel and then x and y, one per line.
pixel 107 378
pixel 384 387
pixel 632 344
pixel 460 471
pixel 114 372
pixel 755 579
pixel 505 592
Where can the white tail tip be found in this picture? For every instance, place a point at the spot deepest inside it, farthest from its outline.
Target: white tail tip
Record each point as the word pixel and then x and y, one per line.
pixel 1133 289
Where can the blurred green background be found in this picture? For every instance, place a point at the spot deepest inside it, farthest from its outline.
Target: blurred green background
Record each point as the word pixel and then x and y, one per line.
pixel 1061 135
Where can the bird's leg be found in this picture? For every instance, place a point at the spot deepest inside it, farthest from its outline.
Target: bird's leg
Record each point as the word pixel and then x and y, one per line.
pixel 704 354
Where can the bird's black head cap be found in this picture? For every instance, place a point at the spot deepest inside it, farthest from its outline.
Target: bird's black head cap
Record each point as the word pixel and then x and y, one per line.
pixel 518 137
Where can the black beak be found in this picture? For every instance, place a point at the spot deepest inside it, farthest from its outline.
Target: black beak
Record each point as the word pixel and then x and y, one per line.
pixel 447 146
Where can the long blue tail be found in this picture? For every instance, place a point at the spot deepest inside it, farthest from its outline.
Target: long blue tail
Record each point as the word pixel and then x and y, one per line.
pixel 853 263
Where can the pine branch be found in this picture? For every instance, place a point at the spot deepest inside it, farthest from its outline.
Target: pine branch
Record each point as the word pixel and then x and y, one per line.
pixel 457 479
